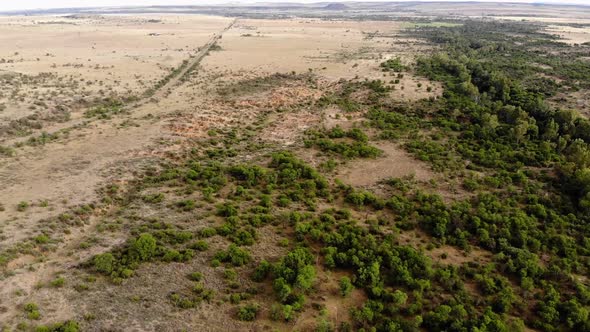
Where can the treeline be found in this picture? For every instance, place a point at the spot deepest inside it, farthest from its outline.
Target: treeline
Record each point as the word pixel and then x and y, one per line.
pixel 515 48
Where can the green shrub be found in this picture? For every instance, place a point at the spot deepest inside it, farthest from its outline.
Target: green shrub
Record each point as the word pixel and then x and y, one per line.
pixel 172 255
pixel 154 198
pixel 262 271
pixel 394 65
pixel 230 274
pixel 22 206
pixel 58 282
pixel 245 237
pixel 42 239
pixel 195 276
pixel 186 205
pixel 208 232
pixel 68 326
pixel 248 313
pixel 32 311
pixel 325 141
pixel 227 210
pixel 200 245
pixel 234 255
pixel 104 263
pixel 143 248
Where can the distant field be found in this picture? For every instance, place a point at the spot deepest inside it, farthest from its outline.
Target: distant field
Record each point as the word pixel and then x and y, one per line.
pixel 431 24
pixel 315 167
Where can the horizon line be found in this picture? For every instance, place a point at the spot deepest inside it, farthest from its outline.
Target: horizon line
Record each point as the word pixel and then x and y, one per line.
pixel 249 3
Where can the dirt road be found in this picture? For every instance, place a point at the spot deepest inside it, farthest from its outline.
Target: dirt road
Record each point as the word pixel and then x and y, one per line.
pixel 67 173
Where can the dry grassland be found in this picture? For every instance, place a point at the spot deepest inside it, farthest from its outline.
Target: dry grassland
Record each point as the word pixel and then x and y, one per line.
pixel 53 69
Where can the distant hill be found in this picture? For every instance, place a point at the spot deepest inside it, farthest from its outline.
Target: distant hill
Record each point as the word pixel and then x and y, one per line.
pixel 336 6
pixel 375 9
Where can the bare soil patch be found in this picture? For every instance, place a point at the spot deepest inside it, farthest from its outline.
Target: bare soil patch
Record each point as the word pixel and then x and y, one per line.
pixel 395 163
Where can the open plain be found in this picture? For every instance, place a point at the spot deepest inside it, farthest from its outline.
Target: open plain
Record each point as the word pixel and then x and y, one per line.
pixel 225 169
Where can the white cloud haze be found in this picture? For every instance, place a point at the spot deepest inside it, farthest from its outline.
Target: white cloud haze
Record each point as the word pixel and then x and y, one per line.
pixel 45 4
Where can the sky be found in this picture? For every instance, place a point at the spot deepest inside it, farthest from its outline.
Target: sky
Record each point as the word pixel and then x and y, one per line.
pixel 44 4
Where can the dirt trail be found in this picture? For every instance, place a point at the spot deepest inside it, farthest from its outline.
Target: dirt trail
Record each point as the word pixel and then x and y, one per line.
pixel 194 62
pixel 160 93
pixel 39 169
pixel 68 174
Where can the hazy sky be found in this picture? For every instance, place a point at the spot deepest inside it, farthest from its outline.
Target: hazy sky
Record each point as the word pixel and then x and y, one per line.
pixel 31 4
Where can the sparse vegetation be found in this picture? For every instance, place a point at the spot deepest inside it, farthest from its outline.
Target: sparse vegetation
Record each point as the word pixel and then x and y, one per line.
pixel 32 311
pixel 105 110
pixel 394 65
pixel 333 141
pixel 244 210
pixel 248 312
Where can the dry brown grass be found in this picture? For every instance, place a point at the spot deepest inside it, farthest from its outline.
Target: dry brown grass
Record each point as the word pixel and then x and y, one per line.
pixel 395 163
pixel 67 172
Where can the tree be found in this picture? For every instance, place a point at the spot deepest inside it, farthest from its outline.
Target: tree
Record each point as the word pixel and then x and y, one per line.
pixel 575 314
pixel 489 124
pixel 579 153
pixel 551 130
pixel 346 286
pixel 369 276
pixel 282 289
pixel 399 298
pixel 519 130
pixel 305 277
pixel 445 316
